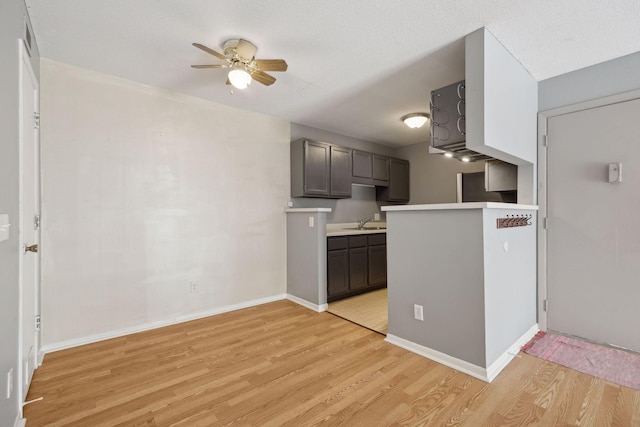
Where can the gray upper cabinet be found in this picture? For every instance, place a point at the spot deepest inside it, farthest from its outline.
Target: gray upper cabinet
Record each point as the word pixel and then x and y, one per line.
pixel 500 176
pixel 362 164
pixel 319 169
pixel 380 168
pixel 322 169
pixel 370 169
pixel 340 175
pixel 398 190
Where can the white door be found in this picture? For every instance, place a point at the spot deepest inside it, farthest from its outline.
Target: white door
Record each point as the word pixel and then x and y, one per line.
pixel 593 237
pixel 29 224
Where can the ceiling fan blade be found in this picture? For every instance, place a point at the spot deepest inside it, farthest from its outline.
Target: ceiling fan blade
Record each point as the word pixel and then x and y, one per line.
pixel 208 66
pixel 271 64
pixel 211 51
pixel 245 49
pixel 263 78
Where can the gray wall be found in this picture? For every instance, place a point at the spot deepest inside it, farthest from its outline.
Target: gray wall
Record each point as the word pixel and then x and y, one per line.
pixel 441 268
pixel 433 176
pixel 607 78
pixel 12 19
pixel 362 204
pixel 307 256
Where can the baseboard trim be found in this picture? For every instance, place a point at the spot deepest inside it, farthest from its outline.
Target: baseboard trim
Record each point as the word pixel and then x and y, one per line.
pixel 496 367
pixel 20 422
pixel 437 356
pixel 50 348
pixel 487 375
pixel 311 306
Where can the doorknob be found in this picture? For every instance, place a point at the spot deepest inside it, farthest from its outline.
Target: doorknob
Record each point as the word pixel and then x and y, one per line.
pixel 32 248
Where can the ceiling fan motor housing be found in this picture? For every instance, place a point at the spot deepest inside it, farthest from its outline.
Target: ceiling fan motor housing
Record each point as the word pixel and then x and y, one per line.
pixel 239 49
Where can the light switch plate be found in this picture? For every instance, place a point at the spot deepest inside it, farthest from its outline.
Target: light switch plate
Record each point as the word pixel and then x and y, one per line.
pixel 4 227
pixel 311 222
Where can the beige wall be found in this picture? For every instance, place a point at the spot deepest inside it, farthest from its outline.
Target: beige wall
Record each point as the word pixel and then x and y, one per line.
pixel 146 191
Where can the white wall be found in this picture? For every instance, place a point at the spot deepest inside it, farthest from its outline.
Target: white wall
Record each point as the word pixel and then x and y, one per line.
pixel 502 106
pixel 13 14
pixel 145 191
pixel 501 101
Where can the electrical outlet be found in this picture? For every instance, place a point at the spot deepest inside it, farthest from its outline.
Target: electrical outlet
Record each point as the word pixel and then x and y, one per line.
pixel 9 383
pixel 195 288
pixel 376 216
pixel 417 312
pixel 311 222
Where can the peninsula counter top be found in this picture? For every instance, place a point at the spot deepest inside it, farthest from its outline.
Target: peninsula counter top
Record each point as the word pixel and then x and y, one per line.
pixel 452 206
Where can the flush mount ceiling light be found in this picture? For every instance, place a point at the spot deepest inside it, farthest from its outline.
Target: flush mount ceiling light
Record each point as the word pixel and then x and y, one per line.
pixel 239 77
pixel 415 120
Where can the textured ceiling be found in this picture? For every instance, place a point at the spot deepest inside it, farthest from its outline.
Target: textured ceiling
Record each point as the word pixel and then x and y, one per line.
pixel 355 66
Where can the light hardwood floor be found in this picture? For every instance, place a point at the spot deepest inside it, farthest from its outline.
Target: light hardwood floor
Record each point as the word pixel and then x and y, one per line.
pixel 280 364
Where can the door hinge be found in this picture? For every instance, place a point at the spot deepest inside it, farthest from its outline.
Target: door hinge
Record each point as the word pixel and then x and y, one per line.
pixel 545 223
pixel 37 322
pixel 36 120
pixel 545 140
pixel 545 305
pixel 36 222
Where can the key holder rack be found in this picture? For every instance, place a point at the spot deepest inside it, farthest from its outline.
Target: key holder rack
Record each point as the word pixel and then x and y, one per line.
pixel 511 221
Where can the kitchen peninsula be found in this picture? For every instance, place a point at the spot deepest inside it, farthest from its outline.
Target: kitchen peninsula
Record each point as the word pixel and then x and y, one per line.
pixel 473 283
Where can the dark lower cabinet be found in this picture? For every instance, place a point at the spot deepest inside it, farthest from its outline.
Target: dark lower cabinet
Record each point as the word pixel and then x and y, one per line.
pixel 355 264
pixel 358 269
pixel 377 265
pixel 338 271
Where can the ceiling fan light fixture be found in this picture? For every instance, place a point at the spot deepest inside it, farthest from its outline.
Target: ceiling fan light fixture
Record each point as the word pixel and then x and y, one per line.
pixel 415 120
pixel 239 78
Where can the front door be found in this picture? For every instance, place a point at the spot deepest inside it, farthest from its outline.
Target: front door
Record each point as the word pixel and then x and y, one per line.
pixel 593 237
pixel 29 221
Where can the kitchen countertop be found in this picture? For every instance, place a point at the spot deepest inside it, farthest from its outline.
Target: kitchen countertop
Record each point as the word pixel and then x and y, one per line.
pixel 347 229
pixel 304 210
pixel 451 206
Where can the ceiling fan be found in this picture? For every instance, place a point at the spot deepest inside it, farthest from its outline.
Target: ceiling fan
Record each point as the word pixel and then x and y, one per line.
pixel 244 67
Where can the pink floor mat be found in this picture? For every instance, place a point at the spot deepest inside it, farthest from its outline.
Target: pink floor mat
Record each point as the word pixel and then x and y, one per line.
pixel 618 366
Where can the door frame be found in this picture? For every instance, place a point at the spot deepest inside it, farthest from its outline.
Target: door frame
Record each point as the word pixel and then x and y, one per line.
pixel 25 69
pixel 543 224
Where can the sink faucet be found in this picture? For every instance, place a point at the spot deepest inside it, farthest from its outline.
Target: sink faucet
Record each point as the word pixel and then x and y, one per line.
pixel 362 222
